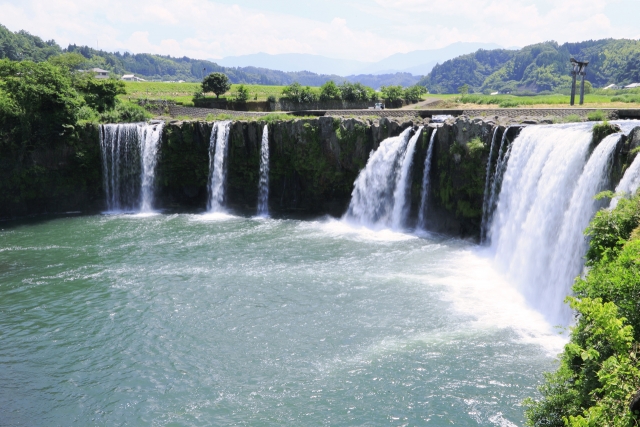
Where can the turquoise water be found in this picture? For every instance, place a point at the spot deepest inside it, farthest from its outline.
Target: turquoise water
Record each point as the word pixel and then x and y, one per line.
pixel 195 320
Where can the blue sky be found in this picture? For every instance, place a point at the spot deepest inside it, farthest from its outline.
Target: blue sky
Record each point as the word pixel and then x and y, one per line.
pixel 366 30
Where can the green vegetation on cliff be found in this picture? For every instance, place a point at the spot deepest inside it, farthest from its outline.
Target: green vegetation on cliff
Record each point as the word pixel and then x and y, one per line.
pixel 537 68
pixel 48 154
pixel 599 371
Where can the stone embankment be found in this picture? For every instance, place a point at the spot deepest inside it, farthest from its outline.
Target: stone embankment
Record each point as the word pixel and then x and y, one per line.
pixel 549 114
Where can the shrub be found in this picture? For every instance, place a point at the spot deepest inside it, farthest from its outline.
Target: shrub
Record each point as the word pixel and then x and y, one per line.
pixel 125 112
pixel 243 94
pixel 392 93
pixel 356 92
pixel 508 103
pixel 572 118
pixel 296 93
pixel 414 93
pixel 330 92
pixel 100 94
pixel 602 130
pixel 609 229
pixel 599 368
pixel 271 98
pixel 596 116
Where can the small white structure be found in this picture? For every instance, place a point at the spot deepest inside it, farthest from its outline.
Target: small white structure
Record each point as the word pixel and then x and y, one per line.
pixel 100 73
pixel 612 87
pixel 132 78
pixel 632 86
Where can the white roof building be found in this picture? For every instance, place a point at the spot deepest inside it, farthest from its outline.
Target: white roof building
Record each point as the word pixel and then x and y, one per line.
pixel 100 73
pixel 632 86
pixel 612 87
pixel 132 78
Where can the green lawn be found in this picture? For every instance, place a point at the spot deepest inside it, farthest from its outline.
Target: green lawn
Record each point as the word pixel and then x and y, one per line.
pixel 183 92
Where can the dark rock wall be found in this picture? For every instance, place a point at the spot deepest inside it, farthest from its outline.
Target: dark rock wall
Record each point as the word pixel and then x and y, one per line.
pixel 56 178
pixel 313 166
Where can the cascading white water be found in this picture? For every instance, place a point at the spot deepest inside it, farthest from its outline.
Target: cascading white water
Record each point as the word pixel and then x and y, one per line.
pixel 547 192
pixel 372 200
pixel 487 186
pixel 149 137
pixel 493 182
pixel 218 148
pixel 403 182
pixel 129 156
pixel 424 193
pixel 568 256
pixel 629 183
pixel 263 186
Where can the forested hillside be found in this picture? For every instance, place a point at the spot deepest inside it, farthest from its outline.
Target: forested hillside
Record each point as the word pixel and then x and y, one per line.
pixel 538 68
pixel 22 45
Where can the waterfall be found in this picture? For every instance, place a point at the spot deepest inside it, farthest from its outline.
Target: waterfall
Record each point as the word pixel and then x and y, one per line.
pixel 263 186
pixel 571 247
pixel 218 148
pixel 629 183
pixel 129 155
pixel 148 137
pixel 373 198
pixel 545 203
pixel 487 186
pixel 403 184
pixel 491 197
pixel 424 193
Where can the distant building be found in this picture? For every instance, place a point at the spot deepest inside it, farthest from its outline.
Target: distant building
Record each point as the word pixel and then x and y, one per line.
pixel 612 87
pixel 100 73
pixel 132 78
pixel 632 86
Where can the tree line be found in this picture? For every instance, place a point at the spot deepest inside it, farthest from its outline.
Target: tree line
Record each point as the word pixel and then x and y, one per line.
pixel 538 68
pixel 219 83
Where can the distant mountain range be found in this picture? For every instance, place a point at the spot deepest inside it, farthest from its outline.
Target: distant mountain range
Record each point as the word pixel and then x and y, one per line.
pixel 24 46
pixel 418 63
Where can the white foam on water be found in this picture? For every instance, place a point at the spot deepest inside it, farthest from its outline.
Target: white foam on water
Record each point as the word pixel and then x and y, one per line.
pixel 336 228
pixel 213 217
pixel 475 288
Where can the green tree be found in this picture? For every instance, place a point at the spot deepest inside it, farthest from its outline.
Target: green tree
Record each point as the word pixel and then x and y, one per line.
pixel 464 89
pixel 100 94
pixel 414 93
pixel 295 92
pixel 39 103
pixel 69 61
pixel 330 92
pixel 392 93
pixel 217 83
pixel 356 92
pixel 243 94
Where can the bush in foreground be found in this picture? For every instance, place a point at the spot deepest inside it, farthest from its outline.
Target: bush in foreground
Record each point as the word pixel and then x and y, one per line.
pixel 599 371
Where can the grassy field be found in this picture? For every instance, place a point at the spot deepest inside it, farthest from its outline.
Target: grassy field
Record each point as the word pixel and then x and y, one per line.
pixel 599 99
pixel 183 92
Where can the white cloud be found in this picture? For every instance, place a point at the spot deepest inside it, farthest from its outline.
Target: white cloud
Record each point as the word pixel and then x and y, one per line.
pixel 359 29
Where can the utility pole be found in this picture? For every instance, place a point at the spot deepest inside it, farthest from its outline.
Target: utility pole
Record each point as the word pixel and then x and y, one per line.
pixel 579 69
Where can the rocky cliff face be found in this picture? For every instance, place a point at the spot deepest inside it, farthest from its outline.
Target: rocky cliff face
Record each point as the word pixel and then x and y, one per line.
pixel 52 178
pixel 313 166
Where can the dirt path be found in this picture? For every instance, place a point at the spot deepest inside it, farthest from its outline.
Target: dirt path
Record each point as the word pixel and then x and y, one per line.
pixel 422 105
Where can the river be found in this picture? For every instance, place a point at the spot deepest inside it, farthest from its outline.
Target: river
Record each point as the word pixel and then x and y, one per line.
pixel 199 320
